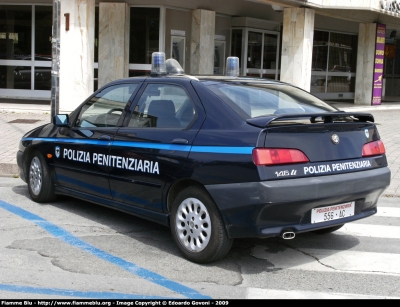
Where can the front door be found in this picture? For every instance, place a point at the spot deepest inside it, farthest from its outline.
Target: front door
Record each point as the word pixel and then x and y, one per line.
pixel 82 152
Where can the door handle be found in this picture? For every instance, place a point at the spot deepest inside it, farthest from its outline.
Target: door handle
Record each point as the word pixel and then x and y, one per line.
pixel 180 141
pixel 105 137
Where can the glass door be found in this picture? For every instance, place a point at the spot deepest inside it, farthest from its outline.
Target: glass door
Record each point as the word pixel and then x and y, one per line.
pixel 334 62
pixel 254 54
pixel 262 54
pixel 270 56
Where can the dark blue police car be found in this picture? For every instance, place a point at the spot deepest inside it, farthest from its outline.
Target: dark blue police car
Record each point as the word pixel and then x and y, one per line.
pixel 215 158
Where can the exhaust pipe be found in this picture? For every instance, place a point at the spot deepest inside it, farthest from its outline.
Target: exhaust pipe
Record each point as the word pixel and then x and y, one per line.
pixel 288 235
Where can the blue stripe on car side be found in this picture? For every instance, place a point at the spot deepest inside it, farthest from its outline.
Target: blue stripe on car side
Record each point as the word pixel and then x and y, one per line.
pixel 200 149
pixel 40 139
pixel 70 141
pixel 67 237
pixel 223 150
pixel 151 145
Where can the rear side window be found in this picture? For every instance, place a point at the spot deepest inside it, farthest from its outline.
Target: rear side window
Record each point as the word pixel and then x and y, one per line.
pixel 163 106
pixel 254 100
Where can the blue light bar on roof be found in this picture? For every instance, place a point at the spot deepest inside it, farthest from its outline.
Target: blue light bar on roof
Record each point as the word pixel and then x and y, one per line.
pixel 158 63
pixel 232 66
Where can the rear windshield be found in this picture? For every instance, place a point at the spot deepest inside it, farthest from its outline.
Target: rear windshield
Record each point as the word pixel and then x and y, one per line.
pixel 251 100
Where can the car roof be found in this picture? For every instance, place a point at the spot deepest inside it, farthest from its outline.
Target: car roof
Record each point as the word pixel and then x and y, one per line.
pixel 202 78
pixel 237 79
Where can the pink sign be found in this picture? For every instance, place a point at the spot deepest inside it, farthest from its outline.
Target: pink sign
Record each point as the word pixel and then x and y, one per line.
pixel 378 67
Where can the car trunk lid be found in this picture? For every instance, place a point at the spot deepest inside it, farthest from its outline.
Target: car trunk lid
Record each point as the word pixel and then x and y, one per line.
pixel 332 142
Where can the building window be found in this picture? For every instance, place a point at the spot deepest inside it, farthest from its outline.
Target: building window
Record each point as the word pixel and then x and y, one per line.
pixel 43 33
pixel 144 37
pixel 19 70
pixel 15 31
pixel 43 29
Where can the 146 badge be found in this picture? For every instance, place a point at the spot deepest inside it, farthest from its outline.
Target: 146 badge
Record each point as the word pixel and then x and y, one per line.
pixel 286 173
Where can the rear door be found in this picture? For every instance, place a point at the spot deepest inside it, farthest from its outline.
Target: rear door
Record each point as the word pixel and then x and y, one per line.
pixel 152 148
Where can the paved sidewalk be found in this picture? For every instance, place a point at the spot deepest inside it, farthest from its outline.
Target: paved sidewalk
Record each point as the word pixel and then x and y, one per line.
pixel 14 123
pixel 18 118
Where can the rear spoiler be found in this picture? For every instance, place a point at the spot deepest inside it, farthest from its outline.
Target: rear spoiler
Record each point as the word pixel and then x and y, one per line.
pixel 327 117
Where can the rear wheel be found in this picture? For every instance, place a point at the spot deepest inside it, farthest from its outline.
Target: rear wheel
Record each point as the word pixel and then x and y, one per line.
pixel 40 184
pixel 328 230
pixel 197 227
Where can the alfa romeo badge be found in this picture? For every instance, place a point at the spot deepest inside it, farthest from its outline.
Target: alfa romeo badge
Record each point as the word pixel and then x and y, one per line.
pixel 335 139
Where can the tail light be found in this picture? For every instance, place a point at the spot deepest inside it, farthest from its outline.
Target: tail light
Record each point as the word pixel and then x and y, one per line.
pixel 272 156
pixel 373 149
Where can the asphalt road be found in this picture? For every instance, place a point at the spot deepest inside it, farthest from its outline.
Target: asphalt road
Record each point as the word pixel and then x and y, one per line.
pixel 74 249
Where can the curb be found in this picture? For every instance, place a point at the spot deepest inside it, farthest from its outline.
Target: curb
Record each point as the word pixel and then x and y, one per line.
pixel 368 108
pixel 9 176
pixel 390 195
pixel 28 111
pixel 9 170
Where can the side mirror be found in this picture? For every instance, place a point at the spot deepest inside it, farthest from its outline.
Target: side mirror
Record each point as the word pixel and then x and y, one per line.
pixel 61 120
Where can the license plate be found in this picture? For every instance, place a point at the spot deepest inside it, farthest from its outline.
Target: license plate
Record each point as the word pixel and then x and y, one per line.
pixel 334 212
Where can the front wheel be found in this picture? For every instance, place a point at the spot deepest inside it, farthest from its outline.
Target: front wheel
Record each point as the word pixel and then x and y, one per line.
pixel 40 184
pixel 197 227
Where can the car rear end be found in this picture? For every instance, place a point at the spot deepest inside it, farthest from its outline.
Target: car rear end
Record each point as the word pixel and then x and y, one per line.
pixel 320 174
pixel 319 167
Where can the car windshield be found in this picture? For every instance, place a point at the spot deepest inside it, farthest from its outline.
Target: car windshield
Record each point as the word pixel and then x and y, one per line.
pixel 251 100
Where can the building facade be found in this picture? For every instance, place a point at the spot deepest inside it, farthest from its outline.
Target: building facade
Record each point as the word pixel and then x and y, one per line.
pixel 327 47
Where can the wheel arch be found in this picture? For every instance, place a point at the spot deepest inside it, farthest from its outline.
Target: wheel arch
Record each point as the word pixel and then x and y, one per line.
pixel 26 160
pixel 179 186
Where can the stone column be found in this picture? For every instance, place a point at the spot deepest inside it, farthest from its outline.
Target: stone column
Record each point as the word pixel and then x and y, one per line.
pixel 365 63
pixel 297 46
pixel 202 43
pixel 113 42
pixel 76 52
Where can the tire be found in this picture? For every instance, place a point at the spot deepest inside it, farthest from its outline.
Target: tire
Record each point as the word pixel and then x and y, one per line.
pixel 40 184
pixel 328 230
pixel 197 227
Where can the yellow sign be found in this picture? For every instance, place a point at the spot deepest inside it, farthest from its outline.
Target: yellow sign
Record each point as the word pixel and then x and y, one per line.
pixel 390 51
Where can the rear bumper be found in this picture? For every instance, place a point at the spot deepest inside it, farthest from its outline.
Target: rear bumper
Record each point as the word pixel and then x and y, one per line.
pixel 268 208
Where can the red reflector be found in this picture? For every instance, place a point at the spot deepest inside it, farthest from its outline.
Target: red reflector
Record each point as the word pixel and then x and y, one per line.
pixel 271 156
pixel 373 149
